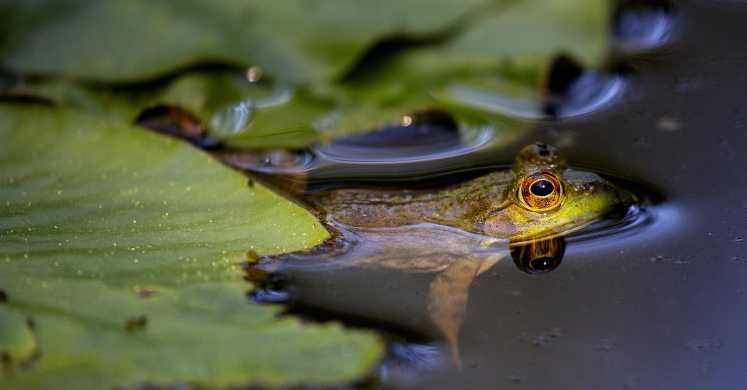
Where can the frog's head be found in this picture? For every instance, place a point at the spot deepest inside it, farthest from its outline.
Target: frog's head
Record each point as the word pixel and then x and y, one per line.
pixel 546 198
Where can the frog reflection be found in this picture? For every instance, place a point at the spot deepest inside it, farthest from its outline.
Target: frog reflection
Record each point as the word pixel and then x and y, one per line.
pixel 457 232
pixel 455 267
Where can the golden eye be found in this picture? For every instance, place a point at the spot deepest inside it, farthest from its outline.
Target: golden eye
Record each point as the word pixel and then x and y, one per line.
pixel 540 191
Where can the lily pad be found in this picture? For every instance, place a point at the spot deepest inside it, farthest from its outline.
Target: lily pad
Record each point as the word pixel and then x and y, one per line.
pixel 330 67
pixel 506 53
pixel 271 115
pixel 133 40
pixel 119 265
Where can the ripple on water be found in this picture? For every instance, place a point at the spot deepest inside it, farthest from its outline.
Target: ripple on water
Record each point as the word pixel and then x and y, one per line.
pixel 590 92
pixel 642 26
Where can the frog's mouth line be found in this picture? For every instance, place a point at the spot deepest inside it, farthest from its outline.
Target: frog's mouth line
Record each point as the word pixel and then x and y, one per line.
pixel 623 218
pixel 523 241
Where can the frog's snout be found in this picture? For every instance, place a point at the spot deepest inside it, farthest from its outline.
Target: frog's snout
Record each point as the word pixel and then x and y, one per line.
pixel 540 256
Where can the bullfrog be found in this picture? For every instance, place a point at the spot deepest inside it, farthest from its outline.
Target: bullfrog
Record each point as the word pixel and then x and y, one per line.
pixel 456 232
pixel 540 196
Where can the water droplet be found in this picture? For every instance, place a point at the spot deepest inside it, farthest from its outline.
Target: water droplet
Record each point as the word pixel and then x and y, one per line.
pixel 254 74
pixel 233 118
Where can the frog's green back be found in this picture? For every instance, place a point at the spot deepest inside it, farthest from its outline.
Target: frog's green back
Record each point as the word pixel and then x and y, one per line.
pixel 501 204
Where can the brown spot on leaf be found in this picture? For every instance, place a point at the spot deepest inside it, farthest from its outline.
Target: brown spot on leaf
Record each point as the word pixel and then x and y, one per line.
pixel 135 323
pixel 177 122
pixel 147 293
pixel 7 364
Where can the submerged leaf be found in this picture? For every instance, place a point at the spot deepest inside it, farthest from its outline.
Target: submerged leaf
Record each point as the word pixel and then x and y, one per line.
pixel 122 247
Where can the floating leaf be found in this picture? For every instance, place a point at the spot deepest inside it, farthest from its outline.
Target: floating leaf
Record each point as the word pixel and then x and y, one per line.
pixel 121 246
pixel 131 40
pixel 330 67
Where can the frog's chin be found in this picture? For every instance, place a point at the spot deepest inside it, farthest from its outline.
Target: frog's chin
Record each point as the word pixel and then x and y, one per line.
pixel 527 238
pixel 615 218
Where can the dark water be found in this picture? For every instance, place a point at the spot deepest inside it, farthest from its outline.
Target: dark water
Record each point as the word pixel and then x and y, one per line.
pixel 660 306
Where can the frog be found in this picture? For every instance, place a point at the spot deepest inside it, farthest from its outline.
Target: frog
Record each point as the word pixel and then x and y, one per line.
pixel 540 196
pixel 456 232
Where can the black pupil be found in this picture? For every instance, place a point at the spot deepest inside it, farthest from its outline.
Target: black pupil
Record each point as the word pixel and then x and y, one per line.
pixel 541 188
pixel 542 263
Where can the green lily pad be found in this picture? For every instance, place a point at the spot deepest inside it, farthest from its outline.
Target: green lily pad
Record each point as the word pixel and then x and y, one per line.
pixel 330 67
pixel 272 115
pixel 18 347
pixel 132 40
pixel 507 54
pixel 121 247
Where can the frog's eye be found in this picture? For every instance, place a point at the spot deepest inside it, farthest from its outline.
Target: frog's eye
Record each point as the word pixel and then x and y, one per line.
pixel 540 191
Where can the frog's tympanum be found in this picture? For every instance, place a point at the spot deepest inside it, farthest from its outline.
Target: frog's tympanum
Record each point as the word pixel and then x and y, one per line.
pixel 456 232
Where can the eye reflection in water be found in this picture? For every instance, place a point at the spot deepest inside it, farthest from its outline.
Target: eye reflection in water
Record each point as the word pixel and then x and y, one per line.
pixel 539 257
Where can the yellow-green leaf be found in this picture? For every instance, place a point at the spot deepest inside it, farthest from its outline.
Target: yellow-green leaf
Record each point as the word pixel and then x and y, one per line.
pixel 121 247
